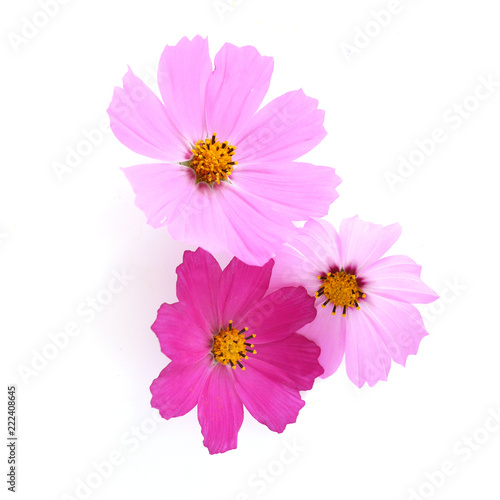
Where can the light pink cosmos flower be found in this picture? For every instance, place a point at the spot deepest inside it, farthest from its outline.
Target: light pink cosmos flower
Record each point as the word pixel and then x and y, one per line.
pixel 227 179
pixel 364 301
pixel 233 345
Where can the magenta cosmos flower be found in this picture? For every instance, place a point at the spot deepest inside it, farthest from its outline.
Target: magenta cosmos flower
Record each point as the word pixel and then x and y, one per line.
pixel 364 301
pixel 226 179
pixel 230 346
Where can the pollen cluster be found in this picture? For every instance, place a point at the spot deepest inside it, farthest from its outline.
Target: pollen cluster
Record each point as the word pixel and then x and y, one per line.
pixel 231 345
pixel 341 289
pixel 212 160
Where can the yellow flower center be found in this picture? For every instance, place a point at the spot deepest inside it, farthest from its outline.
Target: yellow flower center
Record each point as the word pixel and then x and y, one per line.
pixel 212 160
pixel 230 345
pixel 341 289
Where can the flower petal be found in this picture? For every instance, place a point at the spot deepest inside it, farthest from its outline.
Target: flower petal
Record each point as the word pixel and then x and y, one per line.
pixel 220 411
pixel 397 277
pixel 178 387
pixel 399 325
pixel 328 332
pixel 285 129
pixel 221 218
pixel 366 356
pixel 183 73
pixel 140 121
pixel 241 287
pixel 235 89
pixel 313 251
pixel 296 356
pixel 280 314
pixel 297 190
pixel 363 243
pixel 264 391
pixel 197 282
pixel 162 190
pixel 182 340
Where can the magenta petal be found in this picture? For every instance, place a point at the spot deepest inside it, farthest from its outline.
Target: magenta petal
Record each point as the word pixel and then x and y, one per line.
pixel 183 73
pixel 363 243
pixel 181 339
pixel 178 387
pixel 328 332
pixel 197 283
pixel 297 190
pixel 241 287
pixel 162 191
pixel 285 129
pixel 264 391
pixel 220 411
pixel 235 89
pixel 366 356
pixel 280 314
pixel 140 121
pixel 397 277
pixel 296 356
pixel 398 324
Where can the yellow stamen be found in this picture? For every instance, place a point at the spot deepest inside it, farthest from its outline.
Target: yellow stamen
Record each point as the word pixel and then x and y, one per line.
pixel 231 345
pixel 212 160
pixel 341 289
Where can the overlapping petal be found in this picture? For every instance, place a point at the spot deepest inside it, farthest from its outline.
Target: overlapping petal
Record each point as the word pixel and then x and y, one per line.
pixel 235 89
pixel 140 121
pixel 183 73
pixel 285 129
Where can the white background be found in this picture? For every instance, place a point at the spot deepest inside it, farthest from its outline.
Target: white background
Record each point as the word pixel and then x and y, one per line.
pixel 63 238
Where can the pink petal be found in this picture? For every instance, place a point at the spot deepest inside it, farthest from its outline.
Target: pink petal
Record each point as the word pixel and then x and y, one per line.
pixel 280 314
pixel 363 243
pixel 178 387
pixel 397 277
pixel 197 282
pixel 297 190
pixel 285 129
pixel 162 191
pixel 181 339
pixel 241 287
pixel 296 356
pixel 264 391
pixel 366 356
pixel 399 325
pixel 222 218
pixel 182 77
pixel 314 250
pixel 140 121
pixel 329 333
pixel 235 89
pixel 291 268
pixel 220 411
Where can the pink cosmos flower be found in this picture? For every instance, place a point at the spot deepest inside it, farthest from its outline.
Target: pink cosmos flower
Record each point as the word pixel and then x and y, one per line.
pixel 230 346
pixel 364 301
pixel 227 179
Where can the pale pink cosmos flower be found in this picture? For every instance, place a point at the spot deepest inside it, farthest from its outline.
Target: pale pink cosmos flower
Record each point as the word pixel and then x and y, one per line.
pixel 364 300
pixel 227 179
pixel 233 345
